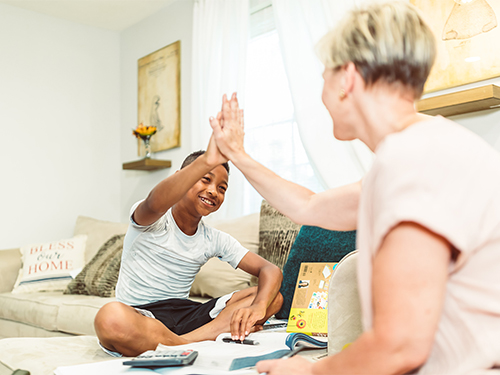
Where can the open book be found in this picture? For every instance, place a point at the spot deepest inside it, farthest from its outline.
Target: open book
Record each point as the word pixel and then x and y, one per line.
pixel 295 339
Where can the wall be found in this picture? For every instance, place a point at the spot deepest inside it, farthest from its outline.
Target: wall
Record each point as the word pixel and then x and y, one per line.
pixel 59 112
pixel 484 123
pixel 163 28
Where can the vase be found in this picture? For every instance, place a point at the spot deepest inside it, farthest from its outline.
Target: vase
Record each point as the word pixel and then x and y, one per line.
pixel 147 146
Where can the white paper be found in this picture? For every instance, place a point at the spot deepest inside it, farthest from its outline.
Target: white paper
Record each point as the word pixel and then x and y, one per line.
pixel 326 272
pixel 214 358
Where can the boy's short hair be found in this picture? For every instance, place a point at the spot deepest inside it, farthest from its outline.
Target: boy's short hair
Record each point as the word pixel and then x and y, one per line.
pixel 195 155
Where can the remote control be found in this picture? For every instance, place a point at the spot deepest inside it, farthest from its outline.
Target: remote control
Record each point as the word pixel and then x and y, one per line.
pixel 163 358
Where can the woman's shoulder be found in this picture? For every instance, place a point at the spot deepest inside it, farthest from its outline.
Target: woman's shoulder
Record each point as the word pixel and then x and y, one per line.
pixel 435 141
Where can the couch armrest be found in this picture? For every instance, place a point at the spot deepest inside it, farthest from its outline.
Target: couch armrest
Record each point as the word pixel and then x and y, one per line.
pixel 10 264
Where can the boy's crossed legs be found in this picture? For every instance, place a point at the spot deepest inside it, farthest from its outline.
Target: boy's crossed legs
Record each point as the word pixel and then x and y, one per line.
pixel 121 328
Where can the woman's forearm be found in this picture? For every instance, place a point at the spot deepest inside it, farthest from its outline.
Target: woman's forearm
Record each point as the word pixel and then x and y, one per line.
pixel 372 355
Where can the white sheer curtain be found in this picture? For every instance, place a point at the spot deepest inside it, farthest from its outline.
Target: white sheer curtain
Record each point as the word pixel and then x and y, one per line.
pixel 300 24
pixel 220 37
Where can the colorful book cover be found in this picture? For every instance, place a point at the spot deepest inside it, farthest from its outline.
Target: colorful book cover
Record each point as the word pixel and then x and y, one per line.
pixel 309 311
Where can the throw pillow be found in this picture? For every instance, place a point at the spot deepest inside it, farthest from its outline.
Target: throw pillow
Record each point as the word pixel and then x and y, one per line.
pixel 217 278
pixel 98 232
pixel 312 244
pixel 49 267
pixel 276 235
pixel 100 275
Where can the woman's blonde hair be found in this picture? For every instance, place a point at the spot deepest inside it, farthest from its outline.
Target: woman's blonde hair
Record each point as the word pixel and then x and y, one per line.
pixel 385 41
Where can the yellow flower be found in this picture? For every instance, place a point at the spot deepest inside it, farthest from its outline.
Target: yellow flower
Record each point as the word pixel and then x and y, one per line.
pixel 144 131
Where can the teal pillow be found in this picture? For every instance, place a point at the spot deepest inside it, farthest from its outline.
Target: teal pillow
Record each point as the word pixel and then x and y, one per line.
pixel 313 244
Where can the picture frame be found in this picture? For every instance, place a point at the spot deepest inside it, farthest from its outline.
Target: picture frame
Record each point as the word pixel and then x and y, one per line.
pixel 159 101
pixel 466 32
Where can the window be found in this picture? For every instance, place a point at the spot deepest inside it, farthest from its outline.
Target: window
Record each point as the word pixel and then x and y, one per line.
pixel 271 134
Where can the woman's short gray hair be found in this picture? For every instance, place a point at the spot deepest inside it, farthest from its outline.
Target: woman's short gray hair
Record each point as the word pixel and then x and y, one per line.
pixel 386 41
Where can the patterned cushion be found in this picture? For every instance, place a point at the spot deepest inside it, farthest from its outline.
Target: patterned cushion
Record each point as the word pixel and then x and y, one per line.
pixel 100 275
pixel 276 235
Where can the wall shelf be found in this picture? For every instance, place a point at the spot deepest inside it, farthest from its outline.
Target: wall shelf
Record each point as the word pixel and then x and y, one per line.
pixel 147 164
pixel 472 100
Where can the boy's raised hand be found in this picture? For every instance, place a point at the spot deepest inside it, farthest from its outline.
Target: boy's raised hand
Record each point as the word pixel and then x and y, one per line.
pixel 213 154
pixel 228 128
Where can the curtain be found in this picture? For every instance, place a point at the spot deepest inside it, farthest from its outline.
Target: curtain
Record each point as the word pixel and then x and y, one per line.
pixel 300 25
pixel 220 37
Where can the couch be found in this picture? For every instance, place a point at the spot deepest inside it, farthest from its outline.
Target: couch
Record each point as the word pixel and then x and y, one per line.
pixel 54 314
pixel 57 329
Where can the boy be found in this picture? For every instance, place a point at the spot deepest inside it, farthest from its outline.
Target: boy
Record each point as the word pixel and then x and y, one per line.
pixel 164 248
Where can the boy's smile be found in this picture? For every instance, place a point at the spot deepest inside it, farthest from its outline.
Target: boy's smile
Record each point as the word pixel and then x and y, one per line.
pixel 208 193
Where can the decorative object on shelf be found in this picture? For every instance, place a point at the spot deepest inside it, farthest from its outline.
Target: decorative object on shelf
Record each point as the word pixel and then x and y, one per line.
pixel 145 133
pixel 466 101
pixel 159 96
pixel 465 31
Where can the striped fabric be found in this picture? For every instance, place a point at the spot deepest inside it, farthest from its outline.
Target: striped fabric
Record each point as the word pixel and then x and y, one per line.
pixel 99 276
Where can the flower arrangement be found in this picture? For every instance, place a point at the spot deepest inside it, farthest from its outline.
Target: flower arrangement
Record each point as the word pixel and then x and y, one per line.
pixel 145 133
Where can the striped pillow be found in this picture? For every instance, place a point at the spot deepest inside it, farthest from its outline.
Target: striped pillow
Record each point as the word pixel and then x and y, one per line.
pixel 100 275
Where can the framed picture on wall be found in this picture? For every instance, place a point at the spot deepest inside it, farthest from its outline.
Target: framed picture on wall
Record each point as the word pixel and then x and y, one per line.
pixel 466 32
pixel 159 101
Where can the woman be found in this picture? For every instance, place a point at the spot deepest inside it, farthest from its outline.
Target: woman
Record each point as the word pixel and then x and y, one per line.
pixel 427 213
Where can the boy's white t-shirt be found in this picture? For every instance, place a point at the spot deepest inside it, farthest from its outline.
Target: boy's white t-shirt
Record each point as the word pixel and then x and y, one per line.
pixel 447 179
pixel 159 261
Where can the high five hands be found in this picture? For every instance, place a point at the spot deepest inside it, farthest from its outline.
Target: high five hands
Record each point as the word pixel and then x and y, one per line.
pixel 228 128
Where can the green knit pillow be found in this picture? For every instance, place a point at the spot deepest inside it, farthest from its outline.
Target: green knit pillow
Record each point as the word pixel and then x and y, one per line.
pixel 312 244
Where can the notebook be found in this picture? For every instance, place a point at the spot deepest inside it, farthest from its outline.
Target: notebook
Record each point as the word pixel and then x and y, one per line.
pixel 309 311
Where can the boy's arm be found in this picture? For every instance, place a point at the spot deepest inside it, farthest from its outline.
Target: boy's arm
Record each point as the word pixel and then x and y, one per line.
pixel 334 209
pixel 170 190
pixel 270 278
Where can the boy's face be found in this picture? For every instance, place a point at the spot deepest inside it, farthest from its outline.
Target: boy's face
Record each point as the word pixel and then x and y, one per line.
pixel 208 193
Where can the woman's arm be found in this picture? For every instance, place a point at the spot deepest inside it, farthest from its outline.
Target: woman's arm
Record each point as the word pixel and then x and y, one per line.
pixel 410 272
pixel 334 209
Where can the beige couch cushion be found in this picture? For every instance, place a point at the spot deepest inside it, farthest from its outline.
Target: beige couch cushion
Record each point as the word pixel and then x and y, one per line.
pixel 98 232
pixel 36 309
pixel 52 311
pixel 77 312
pixel 217 278
pixel 10 264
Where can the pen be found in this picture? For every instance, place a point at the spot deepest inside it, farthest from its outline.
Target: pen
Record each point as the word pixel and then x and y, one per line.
pixel 244 342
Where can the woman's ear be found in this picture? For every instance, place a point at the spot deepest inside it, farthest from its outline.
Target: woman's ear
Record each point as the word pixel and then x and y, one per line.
pixel 349 78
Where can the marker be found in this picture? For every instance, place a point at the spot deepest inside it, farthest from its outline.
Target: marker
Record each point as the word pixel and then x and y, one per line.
pixel 244 342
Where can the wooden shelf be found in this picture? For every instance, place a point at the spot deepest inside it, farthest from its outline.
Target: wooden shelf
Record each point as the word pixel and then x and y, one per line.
pixel 472 100
pixel 147 164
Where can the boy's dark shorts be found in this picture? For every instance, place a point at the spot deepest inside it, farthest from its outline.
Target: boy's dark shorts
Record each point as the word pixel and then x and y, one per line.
pixel 181 315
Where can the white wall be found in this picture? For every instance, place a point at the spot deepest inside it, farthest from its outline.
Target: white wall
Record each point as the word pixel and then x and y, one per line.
pixel 484 123
pixel 59 116
pixel 165 27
